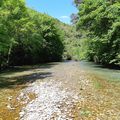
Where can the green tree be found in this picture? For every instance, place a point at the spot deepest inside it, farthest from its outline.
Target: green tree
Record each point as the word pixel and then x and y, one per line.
pixel 100 20
pixel 27 36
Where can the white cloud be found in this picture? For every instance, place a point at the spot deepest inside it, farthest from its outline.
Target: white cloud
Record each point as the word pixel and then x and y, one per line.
pixel 64 17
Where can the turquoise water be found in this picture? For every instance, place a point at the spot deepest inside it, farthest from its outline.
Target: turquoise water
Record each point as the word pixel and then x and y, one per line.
pixel 112 75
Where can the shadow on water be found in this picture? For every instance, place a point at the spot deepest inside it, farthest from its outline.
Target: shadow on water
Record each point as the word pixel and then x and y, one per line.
pixel 14 81
pixel 13 69
pixel 98 66
pixel 109 67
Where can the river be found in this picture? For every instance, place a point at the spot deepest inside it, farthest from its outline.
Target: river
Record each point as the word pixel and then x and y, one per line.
pixel 60 91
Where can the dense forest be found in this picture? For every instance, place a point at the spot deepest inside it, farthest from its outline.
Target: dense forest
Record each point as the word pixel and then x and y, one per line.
pixel 99 23
pixel 29 37
pixel 26 36
pixel 71 42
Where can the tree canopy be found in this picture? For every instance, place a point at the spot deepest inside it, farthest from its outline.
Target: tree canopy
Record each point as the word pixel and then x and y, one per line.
pixel 27 36
pixel 99 20
pixel 30 37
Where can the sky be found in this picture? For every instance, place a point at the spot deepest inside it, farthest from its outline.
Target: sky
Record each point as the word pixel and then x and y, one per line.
pixel 60 9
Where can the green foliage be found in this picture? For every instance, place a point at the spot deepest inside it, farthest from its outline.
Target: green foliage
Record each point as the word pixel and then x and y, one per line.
pixel 101 21
pixel 71 41
pixel 26 36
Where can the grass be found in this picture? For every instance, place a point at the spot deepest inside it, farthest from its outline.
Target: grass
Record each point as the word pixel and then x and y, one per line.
pixel 97 85
pixel 85 112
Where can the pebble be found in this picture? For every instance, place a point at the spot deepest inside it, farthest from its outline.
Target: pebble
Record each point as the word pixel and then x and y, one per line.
pixel 51 99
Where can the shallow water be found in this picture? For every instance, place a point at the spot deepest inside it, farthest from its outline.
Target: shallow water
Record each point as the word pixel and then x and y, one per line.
pixel 112 75
pixel 68 88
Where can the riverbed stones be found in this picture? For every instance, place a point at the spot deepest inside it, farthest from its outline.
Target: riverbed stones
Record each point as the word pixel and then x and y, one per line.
pixel 68 94
pixel 51 99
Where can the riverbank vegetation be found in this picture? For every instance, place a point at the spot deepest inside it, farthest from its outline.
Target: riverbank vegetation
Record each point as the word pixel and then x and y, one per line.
pixel 26 36
pixel 29 37
pixel 99 21
pixel 71 42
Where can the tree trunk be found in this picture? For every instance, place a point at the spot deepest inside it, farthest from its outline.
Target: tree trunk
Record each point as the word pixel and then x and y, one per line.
pixel 9 52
